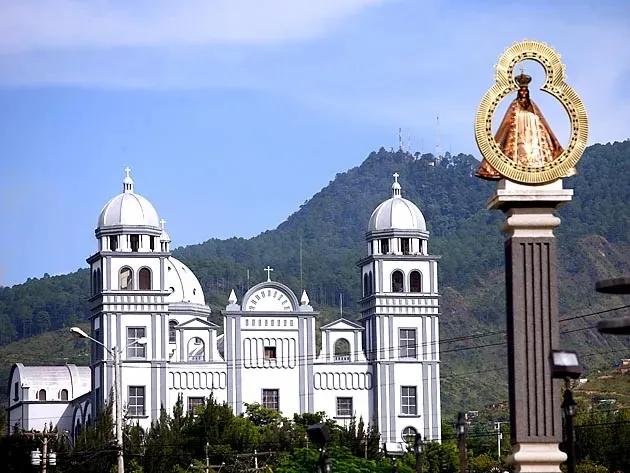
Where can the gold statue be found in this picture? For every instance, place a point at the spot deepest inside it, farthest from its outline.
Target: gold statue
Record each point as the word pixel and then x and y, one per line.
pixel 524 149
pixel 524 135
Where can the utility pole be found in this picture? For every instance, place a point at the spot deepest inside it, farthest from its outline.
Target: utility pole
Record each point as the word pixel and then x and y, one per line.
pixel 462 430
pixel 118 395
pixel 497 427
pixel 208 459
pixel 45 458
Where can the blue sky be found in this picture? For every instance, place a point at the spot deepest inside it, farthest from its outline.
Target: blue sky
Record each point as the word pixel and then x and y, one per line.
pixel 232 113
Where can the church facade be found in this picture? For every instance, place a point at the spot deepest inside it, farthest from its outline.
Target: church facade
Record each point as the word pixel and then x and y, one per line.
pixel 149 307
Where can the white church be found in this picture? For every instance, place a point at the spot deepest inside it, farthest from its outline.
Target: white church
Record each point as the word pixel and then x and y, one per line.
pixel 149 307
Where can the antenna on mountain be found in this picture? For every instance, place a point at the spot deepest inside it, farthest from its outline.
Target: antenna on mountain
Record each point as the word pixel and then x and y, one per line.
pixel 438 139
pixel 400 140
pixel 341 304
pixel 301 271
pixel 248 279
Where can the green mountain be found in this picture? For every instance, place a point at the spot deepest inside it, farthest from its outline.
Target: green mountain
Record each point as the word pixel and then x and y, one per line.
pixel 328 232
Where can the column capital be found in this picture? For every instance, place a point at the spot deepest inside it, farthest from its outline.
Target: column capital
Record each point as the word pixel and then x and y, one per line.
pixel 529 208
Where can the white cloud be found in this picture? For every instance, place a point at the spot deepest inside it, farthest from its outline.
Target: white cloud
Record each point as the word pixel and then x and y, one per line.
pixel 29 25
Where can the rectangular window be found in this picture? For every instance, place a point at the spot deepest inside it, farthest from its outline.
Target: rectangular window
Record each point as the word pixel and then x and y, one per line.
pixel 270 353
pixel 135 350
pixel 152 243
pixel 408 404
pixel 194 403
pixel 404 246
pixel 17 391
pixel 344 407
pixel 135 401
pixel 384 246
pixel 407 343
pixel 113 243
pixel 271 399
pixel 134 242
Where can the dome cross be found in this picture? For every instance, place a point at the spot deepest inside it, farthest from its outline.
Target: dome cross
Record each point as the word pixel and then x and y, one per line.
pixel 127 181
pixel 269 270
pixel 396 185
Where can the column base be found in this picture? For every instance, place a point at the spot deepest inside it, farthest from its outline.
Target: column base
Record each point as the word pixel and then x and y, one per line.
pixel 536 458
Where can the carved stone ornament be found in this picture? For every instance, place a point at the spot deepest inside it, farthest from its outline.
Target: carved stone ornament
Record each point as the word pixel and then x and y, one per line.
pixel 515 167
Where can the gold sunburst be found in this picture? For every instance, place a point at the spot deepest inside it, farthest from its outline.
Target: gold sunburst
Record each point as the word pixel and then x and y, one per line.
pixel 554 85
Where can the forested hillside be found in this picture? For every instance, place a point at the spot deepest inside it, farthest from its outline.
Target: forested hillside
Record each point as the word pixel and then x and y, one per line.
pixel 330 228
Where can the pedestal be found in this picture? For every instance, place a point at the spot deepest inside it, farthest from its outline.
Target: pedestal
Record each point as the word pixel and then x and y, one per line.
pixel 532 320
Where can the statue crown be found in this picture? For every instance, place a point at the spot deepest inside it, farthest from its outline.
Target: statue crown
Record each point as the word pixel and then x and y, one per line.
pixel 523 79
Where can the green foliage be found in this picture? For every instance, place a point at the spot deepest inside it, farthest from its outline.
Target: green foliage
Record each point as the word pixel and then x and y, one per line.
pixel 602 436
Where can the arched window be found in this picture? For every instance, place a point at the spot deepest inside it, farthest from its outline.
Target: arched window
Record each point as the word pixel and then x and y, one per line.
pixel 370 283
pixel 397 281
pixel 94 282
pixel 63 395
pixel 366 290
pixel 415 282
pixel 125 278
pixel 99 281
pixel 172 333
pixel 144 279
pixel 41 395
pixel 342 350
pixel 196 349
pixel 409 435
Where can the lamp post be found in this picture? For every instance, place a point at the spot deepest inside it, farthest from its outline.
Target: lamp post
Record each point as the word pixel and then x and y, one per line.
pixel 461 428
pixel 565 365
pixel 417 450
pixel 115 354
pixel 320 436
pixel 620 326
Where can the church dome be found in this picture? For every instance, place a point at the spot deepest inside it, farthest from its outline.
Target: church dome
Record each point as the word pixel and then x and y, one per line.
pixel 128 208
pixel 397 213
pixel 182 282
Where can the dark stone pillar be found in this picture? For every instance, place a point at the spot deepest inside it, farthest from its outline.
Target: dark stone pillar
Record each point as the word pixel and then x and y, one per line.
pixel 532 329
pixel 532 321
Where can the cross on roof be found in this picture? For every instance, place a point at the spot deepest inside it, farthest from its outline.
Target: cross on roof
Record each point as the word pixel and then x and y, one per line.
pixel 396 176
pixel 127 171
pixel 162 222
pixel 269 270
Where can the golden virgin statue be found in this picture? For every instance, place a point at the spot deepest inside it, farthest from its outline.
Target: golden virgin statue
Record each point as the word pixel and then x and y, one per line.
pixel 524 135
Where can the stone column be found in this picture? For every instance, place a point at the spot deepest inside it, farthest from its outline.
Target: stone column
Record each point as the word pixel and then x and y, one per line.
pixel 532 321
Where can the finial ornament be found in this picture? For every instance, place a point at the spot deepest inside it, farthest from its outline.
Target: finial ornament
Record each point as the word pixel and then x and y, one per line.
pixel 304 300
pixel 162 223
pixel 525 149
pixel 232 299
pixel 127 181
pixel 269 270
pixel 396 185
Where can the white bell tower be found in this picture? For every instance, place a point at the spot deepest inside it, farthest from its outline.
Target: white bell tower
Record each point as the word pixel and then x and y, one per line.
pixel 400 310
pixel 129 300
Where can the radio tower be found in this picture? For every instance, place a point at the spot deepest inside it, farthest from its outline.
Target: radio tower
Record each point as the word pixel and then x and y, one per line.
pixel 438 139
pixel 401 146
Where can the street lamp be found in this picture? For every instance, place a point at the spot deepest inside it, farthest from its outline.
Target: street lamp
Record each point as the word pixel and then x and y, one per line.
pixel 417 450
pixel 620 326
pixel 393 450
pixel 565 365
pixel 115 354
pixel 320 436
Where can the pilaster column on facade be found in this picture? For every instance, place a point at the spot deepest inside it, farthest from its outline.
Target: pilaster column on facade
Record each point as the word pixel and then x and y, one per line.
pixel 532 320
